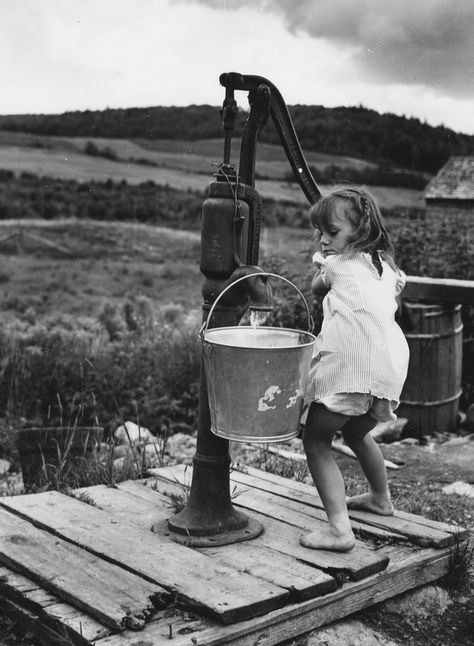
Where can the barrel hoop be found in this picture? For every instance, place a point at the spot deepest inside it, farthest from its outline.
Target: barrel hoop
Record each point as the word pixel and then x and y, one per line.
pixel 454 332
pixel 438 402
pixel 441 312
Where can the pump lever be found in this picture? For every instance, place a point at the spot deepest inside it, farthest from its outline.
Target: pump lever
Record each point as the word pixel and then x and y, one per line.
pixel 284 126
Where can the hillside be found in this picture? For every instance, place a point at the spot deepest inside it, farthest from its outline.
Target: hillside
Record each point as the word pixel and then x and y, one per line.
pixel 384 139
pixel 49 176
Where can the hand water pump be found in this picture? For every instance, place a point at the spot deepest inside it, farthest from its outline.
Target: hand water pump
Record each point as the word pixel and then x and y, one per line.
pixel 230 237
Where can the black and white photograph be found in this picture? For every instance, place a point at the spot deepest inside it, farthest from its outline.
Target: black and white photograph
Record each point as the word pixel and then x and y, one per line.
pixel 236 323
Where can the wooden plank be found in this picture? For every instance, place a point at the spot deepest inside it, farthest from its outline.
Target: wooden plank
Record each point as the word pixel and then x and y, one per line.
pixel 420 530
pixel 126 506
pixel 309 496
pixel 282 536
pixel 408 569
pixel 59 623
pixel 165 630
pixel 439 290
pixel 302 581
pixel 336 447
pixel 185 572
pixel 115 597
pixel 137 503
pixel 268 501
pixel 15 581
pixel 43 635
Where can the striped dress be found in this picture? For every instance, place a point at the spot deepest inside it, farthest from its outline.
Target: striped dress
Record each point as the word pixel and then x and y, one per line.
pixel 360 349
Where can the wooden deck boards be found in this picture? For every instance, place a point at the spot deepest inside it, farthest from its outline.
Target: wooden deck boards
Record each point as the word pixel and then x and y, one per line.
pixel 91 570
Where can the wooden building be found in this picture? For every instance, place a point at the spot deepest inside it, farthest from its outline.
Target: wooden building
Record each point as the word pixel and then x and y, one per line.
pixel 451 191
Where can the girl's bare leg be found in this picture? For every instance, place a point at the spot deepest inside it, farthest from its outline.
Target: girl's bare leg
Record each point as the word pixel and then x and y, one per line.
pixel 357 437
pixel 321 425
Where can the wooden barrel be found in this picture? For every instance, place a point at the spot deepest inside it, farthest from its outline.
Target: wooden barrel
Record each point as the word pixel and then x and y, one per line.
pixel 56 455
pixel 430 397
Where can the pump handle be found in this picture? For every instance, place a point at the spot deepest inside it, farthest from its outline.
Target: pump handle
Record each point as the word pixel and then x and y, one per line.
pixel 284 126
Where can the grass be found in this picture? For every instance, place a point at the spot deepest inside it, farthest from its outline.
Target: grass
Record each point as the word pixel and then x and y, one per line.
pixel 125 260
pixel 60 459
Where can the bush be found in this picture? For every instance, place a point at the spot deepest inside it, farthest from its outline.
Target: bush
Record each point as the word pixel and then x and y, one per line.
pixel 71 371
pixel 441 248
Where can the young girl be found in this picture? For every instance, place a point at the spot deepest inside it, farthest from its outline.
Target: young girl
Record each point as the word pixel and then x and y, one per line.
pixel 360 360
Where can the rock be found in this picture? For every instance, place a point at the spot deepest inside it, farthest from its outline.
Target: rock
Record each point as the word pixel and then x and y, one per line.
pixel 461 417
pixel 389 431
pixel 4 466
pixel 11 485
pixel 153 454
pixel 123 451
pixel 420 603
pixel 460 488
pixel 457 440
pixel 410 441
pixel 131 433
pixel 347 633
pixel 181 446
pixel 470 417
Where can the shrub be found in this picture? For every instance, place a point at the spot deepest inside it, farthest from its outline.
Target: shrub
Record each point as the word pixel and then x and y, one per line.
pixel 441 248
pixel 86 372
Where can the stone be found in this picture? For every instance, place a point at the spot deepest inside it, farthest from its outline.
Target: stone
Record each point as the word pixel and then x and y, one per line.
pixel 123 451
pixel 181 446
pixel 420 603
pixel 470 417
pixel 410 441
pixel 4 466
pixel 347 633
pixel 131 433
pixel 11 485
pixel 459 488
pixel 389 431
pixel 457 440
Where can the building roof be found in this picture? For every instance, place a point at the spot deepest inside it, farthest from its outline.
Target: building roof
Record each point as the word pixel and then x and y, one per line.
pixel 455 180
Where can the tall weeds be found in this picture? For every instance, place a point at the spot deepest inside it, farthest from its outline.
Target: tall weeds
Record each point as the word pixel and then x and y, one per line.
pixel 64 370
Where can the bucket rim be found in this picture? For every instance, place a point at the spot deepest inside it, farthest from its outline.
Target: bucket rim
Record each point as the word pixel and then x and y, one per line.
pixel 61 428
pixel 259 327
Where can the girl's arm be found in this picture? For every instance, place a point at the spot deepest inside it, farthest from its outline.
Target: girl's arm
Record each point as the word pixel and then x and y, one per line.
pixel 318 285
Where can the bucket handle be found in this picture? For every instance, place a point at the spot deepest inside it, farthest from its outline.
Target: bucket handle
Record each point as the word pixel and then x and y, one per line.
pixel 204 326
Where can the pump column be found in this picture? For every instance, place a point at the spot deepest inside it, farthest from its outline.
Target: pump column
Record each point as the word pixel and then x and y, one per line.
pixel 209 517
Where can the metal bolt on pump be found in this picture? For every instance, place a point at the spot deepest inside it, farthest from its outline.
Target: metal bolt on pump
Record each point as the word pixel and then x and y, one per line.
pixel 230 238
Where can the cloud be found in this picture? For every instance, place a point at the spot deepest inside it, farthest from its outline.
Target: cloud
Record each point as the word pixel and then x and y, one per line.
pixel 411 42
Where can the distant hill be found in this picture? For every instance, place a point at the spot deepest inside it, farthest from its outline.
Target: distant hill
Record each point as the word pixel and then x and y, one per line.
pixel 384 139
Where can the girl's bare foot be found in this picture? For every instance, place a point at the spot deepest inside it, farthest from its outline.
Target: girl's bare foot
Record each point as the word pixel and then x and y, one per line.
pixel 327 539
pixel 370 502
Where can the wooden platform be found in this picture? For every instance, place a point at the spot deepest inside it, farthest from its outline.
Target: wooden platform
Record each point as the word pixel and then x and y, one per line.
pixel 88 567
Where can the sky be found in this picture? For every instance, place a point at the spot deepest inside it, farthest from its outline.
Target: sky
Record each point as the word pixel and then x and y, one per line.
pixel 408 57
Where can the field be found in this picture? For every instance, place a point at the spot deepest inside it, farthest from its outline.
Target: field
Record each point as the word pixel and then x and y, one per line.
pixel 77 267
pixel 178 164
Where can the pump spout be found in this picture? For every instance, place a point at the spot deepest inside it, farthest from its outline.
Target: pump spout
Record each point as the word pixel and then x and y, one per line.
pixel 254 293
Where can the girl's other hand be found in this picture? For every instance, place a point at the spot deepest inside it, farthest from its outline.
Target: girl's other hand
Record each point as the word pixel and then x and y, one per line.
pixel 319 259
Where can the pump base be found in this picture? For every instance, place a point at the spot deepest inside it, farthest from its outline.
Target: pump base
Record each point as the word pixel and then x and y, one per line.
pixel 252 529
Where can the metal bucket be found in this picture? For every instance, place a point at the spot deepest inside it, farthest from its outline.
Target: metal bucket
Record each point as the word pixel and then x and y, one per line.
pixel 256 378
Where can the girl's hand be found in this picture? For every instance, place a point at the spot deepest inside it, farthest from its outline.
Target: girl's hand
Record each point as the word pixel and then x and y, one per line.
pixel 318 286
pixel 319 259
